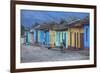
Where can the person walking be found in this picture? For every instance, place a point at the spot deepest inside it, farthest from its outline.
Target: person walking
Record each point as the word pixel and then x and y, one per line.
pixel 63 46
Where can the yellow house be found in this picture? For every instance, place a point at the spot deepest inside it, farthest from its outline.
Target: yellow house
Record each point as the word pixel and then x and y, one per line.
pixel 57 35
pixel 76 35
pixel 52 38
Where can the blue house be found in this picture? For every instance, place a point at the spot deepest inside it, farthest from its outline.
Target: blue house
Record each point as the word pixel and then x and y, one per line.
pixel 43 37
pixel 27 38
pixel 47 38
pixel 41 34
pixel 86 36
pixel 86 33
pixel 35 36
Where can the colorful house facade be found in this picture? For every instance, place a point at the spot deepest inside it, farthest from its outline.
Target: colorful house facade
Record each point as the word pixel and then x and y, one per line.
pixel 41 34
pixel 31 39
pixel 86 36
pixel 61 36
pixel 76 35
pixel 27 37
pixel 58 35
pixel 52 38
pixel 86 33
pixel 43 37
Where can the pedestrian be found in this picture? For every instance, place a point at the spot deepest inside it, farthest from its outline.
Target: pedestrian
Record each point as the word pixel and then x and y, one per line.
pixel 63 46
pixel 44 41
pixel 49 46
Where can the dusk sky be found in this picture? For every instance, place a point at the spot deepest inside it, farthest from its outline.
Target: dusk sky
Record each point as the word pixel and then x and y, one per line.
pixel 29 17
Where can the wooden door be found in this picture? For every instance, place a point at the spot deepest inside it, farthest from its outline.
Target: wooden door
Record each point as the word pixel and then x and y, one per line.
pixel 81 40
pixel 36 36
pixel 65 38
pixel 75 38
pixel 31 38
pixel 70 39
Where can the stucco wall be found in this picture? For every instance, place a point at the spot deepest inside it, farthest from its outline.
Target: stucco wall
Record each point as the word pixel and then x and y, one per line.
pixel 73 31
pixel 86 36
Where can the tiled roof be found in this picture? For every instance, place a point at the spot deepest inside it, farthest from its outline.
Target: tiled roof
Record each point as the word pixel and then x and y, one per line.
pixel 43 27
pixel 64 26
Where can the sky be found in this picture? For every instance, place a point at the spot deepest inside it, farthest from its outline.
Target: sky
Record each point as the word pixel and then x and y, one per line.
pixel 30 17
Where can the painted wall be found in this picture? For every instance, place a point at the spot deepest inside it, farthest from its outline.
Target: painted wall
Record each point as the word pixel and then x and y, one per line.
pixel 71 37
pixel 35 37
pixel 52 38
pixel 42 37
pixel 57 38
pixel 27 37
pixel 31 38
pixel 47 38
pixel 65 37
pixel 86 36
pixel 60 36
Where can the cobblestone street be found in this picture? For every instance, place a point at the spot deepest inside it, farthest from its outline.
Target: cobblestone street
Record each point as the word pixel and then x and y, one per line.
pixel 42 54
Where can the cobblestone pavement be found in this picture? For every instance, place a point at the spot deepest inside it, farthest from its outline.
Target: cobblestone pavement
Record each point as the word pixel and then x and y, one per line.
pixel 42 54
